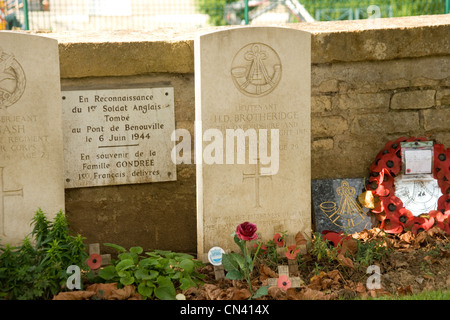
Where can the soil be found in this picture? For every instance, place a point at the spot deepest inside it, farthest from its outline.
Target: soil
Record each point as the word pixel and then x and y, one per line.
pixel 413 264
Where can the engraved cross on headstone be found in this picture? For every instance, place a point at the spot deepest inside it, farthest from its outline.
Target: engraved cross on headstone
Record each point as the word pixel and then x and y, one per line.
pixel 257 175
pixel 4 193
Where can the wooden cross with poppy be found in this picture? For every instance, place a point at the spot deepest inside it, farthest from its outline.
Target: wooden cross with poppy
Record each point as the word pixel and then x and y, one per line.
pixel 287 248
pixel 96 260
pixel 284 281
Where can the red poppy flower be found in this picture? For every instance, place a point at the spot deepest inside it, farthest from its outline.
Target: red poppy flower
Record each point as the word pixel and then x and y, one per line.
pixel 278 240
pixel 391 204
pixel 284 282
pixel 444 203
pixel 391 224
pixel 445 224
pixel 394 146
pixel 246 231
pixel 444 186
pixel 389 161
pixel 422 224
pixel 383 184
pixel 332 236
pixel 292 252
pixel 439 217
pixel 405 217
pixel 441 159
pixel 95 261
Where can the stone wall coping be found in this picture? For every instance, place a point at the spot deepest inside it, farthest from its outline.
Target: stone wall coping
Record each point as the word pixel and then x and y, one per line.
pixel 171 50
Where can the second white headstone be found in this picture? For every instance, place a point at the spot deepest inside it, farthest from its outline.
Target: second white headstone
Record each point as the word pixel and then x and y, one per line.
pixel 252 133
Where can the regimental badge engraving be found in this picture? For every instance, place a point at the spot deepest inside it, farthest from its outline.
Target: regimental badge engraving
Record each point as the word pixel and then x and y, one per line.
pixel 349 213
pixel 12 80
pixel 336 206
pixel 256 69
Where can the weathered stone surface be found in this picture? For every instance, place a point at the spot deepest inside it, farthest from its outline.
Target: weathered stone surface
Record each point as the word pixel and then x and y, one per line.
pixel 367 102
pixel 418 99
pixel 118 136
pixel 31 139
pixel 121 53
pixel 436 119
pixel 376 76
pixel 443 97
pixel 320 104
pixel 322 144
pixel 401 122
pixel 323 126
pixel 257 80
pixel 336 206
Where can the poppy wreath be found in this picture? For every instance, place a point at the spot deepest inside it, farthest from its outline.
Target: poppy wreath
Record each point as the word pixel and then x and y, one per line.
pixel 389 209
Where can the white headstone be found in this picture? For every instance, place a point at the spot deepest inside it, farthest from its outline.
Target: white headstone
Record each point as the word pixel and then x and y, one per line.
pixel 252 133
pixel 31 157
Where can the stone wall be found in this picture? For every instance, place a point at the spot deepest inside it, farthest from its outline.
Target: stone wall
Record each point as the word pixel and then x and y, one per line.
pixel 372 81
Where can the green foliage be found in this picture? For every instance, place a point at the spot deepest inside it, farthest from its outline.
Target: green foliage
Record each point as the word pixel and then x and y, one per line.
pixel 323 250
pixel 216 8
pixel 240 266
pixel 156 274
pixel 326 254
pixel 387 7
pixel 370 251
pixel 37 268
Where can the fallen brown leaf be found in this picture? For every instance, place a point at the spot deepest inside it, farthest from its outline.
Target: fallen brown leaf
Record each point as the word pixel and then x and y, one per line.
pixel 431 260
pixel 213 292
pixel 266 273
pixel 404 290
pixel 311 294
pixel 407 237
pixel 102 290
pixel 74 295
pixel 123 294
pixel 349 245
pixel 239 294
pixel 344 261
pixel 445 252
pixel 276 293
pixel 360 288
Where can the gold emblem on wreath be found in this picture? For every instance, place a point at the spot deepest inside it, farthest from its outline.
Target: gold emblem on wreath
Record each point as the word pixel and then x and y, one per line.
pixel 256 69
pixel 12 80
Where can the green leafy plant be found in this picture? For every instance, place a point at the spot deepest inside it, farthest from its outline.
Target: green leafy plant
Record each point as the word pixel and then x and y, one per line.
pixel 322 249
pixel 370 251
pixel 156 274
pixel 240 266
pixel 37 268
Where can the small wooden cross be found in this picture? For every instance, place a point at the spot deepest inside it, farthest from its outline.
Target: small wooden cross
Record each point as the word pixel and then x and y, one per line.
pixel 296 282
pixel 94 248
pixel 281 251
